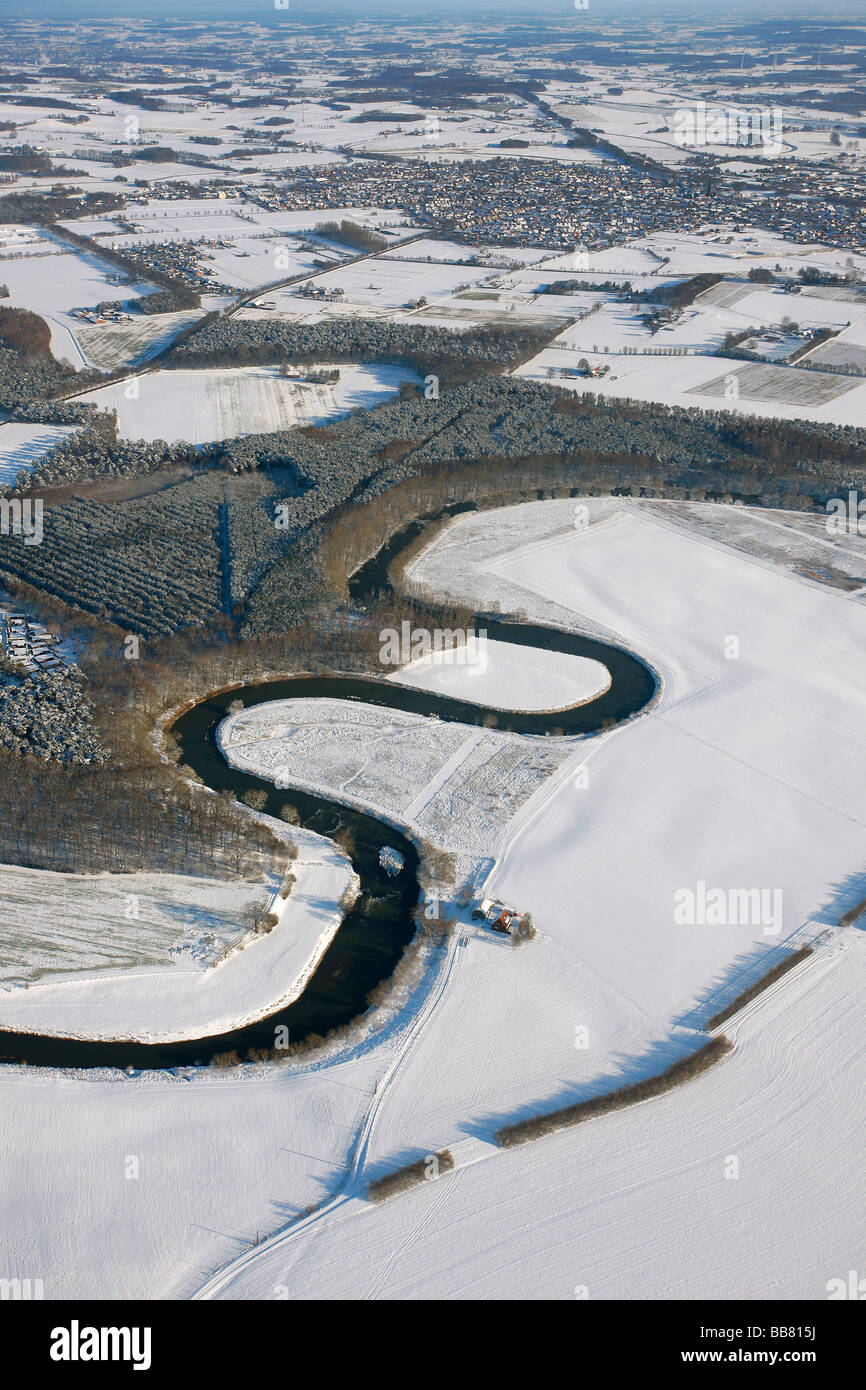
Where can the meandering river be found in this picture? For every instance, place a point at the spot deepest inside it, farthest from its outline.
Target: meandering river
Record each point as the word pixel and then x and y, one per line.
pixel 372 937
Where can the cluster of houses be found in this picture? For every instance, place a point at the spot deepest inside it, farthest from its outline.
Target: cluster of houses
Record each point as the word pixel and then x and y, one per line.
pixel 28 644
pixel 183 260
pixel 555 204
pixel 318 376
pixel 582 369
pixel 115 314
pixel 311 291
pixel 550 204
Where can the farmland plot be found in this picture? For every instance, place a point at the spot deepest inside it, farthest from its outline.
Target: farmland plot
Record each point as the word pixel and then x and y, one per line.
pixel 390 283
pixel 22 447
pixel 55 281
pixel 458 784
pixel 53 924
pixel 779 385
pixel 746 388
pixel 201 406
pixel 173 994
pixel 847 350
pixel 117 345
pixel 635 1205
pixel 439 250
pixel 766 306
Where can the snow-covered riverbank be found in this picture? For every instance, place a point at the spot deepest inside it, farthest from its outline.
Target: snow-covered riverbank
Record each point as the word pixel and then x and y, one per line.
pixel 182 1000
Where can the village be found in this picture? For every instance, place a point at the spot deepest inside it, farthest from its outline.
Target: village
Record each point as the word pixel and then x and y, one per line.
pixel 27 644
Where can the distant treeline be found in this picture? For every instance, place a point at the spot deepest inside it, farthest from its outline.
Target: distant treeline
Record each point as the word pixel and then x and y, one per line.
pixel 593 286
pixel 163 562
pixel 24 332
pixel 683 292
pixel 44 208
pixel 353 234
pixel 452 357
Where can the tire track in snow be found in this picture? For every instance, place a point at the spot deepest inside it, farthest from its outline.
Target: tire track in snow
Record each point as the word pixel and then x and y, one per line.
pixel 450 1184
pixel 222 1279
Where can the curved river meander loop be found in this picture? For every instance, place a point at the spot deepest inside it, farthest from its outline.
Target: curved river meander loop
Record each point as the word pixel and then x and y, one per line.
pixel 373 936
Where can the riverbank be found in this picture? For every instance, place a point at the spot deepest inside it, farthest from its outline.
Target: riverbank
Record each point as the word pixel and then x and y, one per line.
pixel 337 980
pixel 172 1003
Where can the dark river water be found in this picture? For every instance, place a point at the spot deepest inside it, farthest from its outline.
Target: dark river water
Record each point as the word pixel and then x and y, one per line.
pixel 373 936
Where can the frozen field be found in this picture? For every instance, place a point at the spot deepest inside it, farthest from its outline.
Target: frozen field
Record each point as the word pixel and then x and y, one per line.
pixel 846 350
pixel 783 386
pixel 646 119
pixel 614 335
pixel 454 783
pixel 440 250
pixel 156 219
pixel 741 1185
pixel 200 406
pixel 716 249
pixel 730 733
pixel 177 1174
pixel 769 306
pixel 744 777
pixel 693 379
pixel 388 283
pixel 52 280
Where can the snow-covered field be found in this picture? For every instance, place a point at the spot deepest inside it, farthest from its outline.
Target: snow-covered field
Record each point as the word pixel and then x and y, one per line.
pixel 742 1185
pixel 638 360
pixel 507 676
pixel 846 350
pixel 439 250
pixel 55 927
pixel 201 406
pixel 176 1173
pixel 22 447
pixel 647 118
pixel 386 282
pixel 746 774
pixel 250 976
pixel 115 345
pixel 454 783
pixel 716 249
pixel 712 383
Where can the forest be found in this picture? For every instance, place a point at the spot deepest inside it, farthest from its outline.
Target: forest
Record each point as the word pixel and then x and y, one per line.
pixel 237 541
pixel 27 380
pixel 24 332
pixel 234 342
pixel 236 565
pixel 353 234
